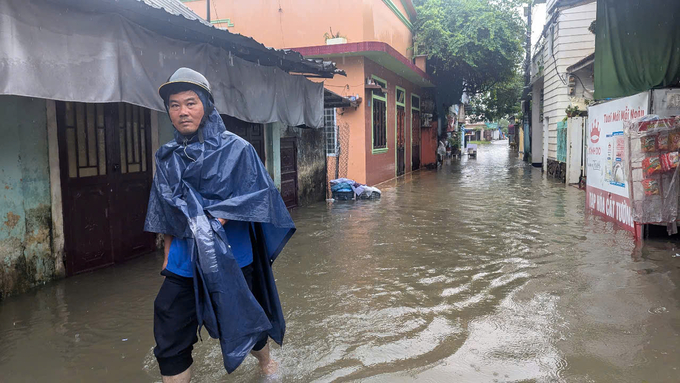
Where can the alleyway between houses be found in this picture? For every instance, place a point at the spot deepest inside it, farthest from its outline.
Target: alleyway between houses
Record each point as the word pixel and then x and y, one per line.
pixel 483 271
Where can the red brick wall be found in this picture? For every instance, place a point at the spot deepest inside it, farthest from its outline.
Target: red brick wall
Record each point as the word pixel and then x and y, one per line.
pixel 382 167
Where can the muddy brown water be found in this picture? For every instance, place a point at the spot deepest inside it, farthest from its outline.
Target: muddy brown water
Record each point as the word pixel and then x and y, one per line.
pixel 483 271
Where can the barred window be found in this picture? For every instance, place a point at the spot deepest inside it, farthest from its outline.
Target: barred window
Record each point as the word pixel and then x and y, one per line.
pixel 379 116
pixel 379 124
pixel 330 131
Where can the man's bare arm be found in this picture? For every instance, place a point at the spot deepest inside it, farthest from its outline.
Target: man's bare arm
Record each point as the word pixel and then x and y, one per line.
pixel 167 241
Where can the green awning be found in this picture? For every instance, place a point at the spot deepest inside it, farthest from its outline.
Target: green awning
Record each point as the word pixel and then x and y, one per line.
pixel 637 46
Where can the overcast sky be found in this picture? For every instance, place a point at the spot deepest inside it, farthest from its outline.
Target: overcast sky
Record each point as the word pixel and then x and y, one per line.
pixel 537 21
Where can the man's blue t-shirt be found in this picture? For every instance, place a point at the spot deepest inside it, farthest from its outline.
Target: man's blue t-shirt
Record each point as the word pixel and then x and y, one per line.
pixel 238 235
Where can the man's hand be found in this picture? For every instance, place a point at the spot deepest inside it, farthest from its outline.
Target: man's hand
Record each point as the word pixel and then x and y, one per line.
pixel 222 221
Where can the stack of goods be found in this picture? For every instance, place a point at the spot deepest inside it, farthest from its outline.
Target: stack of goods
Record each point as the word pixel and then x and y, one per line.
pixel 653 146
pixel 344 189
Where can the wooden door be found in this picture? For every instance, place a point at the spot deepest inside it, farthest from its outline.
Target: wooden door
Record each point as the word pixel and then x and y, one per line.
pixel 289 179
pixel 104 199
pixel 415 140
pixel 85 182
pixel 131 175
pixel 253 133
pixel 401 141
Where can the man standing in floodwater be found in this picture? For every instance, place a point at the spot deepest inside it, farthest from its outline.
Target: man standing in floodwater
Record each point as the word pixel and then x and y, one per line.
pixel 224 223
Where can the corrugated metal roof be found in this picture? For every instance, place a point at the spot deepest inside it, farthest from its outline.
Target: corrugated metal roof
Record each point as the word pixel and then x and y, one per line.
pixel 173 19
pixel 176 8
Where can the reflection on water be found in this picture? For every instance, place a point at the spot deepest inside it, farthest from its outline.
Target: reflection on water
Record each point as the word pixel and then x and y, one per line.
pixel 480 272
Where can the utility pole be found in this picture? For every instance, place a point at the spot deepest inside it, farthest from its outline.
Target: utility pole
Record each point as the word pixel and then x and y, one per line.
pixel 527 81
pixel 527 68
pixel 207 10
pixel 526 111
pixel 526 99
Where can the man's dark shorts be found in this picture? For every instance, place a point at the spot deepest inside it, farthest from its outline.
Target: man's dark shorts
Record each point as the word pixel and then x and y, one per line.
pixel 175 324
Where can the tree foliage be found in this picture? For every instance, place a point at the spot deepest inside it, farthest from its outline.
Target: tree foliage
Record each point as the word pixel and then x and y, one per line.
pixel 501 101
pixel 472 45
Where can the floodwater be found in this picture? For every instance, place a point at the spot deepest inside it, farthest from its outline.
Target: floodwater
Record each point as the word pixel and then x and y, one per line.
pixel 482 271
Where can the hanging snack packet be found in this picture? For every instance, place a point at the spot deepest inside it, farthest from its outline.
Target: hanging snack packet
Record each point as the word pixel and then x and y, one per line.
pixel 662 142
pixel 648 143
pixel 651 187
pixel 669 161
pixel 665 123
pixel 673 159
pixel 674 140
pixel 651 166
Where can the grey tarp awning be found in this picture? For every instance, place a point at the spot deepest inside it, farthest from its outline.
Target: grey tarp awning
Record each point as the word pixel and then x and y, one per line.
pixel 91 51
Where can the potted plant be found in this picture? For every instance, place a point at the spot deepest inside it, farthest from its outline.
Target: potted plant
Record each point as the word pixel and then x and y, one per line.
pixel 334 38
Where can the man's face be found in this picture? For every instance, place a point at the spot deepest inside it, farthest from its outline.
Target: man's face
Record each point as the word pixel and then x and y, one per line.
pixel 186 111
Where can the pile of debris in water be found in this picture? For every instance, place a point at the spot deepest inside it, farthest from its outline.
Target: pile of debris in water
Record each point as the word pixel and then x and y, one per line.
pixel 344 189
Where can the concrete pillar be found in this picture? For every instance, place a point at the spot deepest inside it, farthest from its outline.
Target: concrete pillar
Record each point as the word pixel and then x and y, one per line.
pixel 536 127
pixel 545 143
pixel 155 140
pixel 55 190
pixel 273 151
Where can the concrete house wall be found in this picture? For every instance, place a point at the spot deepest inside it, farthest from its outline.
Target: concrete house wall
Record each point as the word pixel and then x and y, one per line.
pixel 26 235
pixel 571 42
pixel 350 121
pixel 382 166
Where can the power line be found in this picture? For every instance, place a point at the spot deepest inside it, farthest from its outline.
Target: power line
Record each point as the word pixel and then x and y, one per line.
pixel 217 17
pixel 283 41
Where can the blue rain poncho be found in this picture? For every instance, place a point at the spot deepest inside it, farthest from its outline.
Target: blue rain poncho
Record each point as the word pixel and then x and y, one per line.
pixel 216 174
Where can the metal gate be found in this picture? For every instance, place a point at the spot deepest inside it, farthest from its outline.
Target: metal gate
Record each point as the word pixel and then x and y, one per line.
pixel 289 177
pixel 105 164
pixel 253 133
pixel 562 142
pixel 415 140
pixel 401 141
